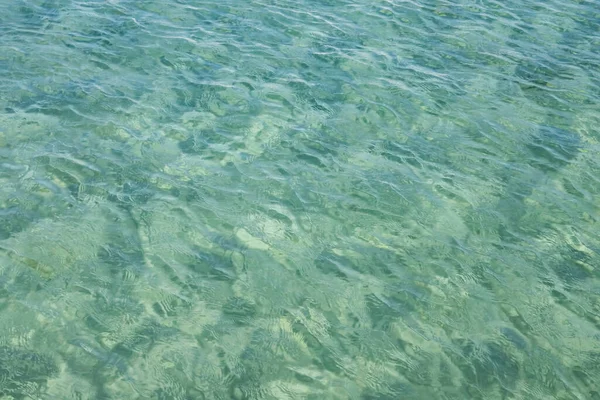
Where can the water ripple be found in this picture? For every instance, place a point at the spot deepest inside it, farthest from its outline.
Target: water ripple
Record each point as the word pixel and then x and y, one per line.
pixel 277 199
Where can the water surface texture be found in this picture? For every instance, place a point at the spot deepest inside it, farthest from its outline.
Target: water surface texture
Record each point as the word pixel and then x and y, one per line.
pixel 314 199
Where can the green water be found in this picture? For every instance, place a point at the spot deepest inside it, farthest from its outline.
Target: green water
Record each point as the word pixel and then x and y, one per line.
pixel 276 199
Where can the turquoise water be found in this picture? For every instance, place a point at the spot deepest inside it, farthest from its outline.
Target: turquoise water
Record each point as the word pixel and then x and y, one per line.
pixel 276 199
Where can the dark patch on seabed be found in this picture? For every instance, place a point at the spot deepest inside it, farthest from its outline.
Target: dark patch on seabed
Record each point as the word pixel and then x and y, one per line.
pixel 23 373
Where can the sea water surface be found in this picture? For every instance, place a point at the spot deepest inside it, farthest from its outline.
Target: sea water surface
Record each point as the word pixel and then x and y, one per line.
pixel 313 199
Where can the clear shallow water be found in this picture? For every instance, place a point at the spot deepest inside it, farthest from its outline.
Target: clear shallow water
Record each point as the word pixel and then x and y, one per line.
pixel 303 200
